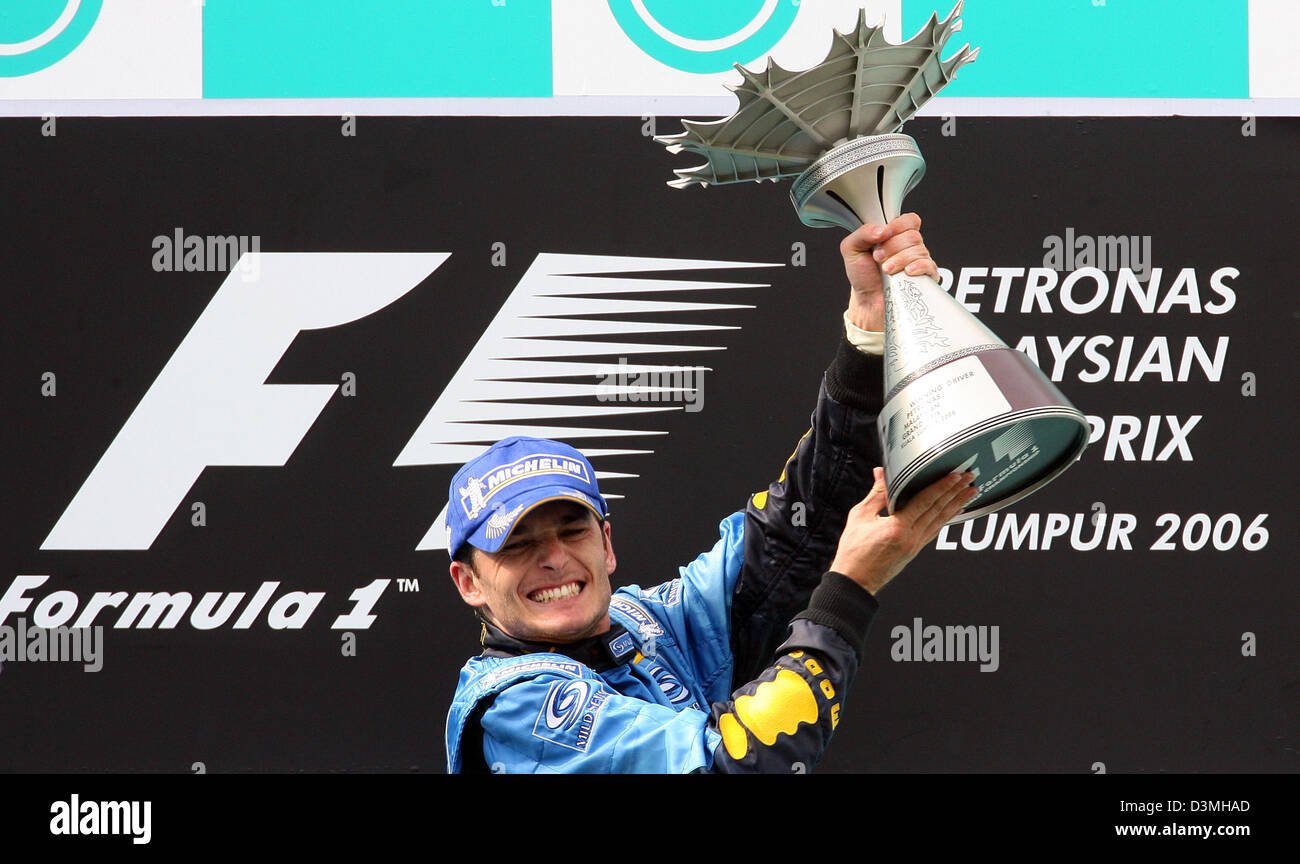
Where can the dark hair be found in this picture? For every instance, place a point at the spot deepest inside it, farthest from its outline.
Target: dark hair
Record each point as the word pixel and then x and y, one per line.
pixel 465 555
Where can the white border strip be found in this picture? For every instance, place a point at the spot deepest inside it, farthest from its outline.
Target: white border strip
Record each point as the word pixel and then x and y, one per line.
pixel 625 106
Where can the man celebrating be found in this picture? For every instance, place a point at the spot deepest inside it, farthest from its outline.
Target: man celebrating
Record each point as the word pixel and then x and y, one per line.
pixel 741 663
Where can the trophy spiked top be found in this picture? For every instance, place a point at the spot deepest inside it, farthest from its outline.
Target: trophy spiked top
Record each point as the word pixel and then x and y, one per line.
pixel 787 121
pixel 956 397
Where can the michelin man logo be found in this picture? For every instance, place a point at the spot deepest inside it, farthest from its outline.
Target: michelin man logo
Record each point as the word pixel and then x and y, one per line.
pixel 35 34
pixel 705 37
pixel 473 491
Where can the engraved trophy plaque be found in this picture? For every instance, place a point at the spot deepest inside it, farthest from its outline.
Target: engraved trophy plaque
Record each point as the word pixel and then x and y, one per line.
pixel 956 397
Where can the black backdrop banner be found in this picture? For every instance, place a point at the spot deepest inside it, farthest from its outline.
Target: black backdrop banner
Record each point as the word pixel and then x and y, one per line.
pixel 1137 615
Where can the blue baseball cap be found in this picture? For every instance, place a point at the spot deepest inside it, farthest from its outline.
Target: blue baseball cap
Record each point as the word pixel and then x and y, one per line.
pixel 493 491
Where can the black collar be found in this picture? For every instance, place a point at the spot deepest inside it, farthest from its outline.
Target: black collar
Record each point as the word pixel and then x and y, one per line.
pixel 605 651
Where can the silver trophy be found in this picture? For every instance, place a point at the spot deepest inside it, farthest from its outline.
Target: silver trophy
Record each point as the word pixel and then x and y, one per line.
pixel 956 397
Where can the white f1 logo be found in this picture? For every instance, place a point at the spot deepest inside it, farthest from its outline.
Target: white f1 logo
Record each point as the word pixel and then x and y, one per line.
pixel 209 405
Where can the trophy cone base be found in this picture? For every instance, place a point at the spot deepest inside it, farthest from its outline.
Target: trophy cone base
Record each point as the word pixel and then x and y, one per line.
pixel 1014 431
pixel 1056 440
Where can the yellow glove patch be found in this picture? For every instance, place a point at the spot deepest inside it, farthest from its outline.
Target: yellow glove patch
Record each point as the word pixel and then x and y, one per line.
pixel 777 706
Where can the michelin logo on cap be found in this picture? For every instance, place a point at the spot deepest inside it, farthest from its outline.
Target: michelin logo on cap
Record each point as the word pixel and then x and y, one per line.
pixel 475 493
pixel 493 491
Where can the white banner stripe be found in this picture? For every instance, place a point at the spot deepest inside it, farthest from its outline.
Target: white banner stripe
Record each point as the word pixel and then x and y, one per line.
pixel 667 109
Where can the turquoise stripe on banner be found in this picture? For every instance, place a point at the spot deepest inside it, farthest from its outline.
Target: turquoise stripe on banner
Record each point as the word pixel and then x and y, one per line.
pixel 1097 48
pixel 376 48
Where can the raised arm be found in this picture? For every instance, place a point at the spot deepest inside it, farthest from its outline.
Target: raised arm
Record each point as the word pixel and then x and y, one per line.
pixel 792 528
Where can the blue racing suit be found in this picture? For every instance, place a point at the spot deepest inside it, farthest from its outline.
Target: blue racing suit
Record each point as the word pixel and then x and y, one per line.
pixel 741 663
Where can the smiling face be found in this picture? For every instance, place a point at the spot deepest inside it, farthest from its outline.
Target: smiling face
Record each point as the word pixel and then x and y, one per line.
pixel 550 580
